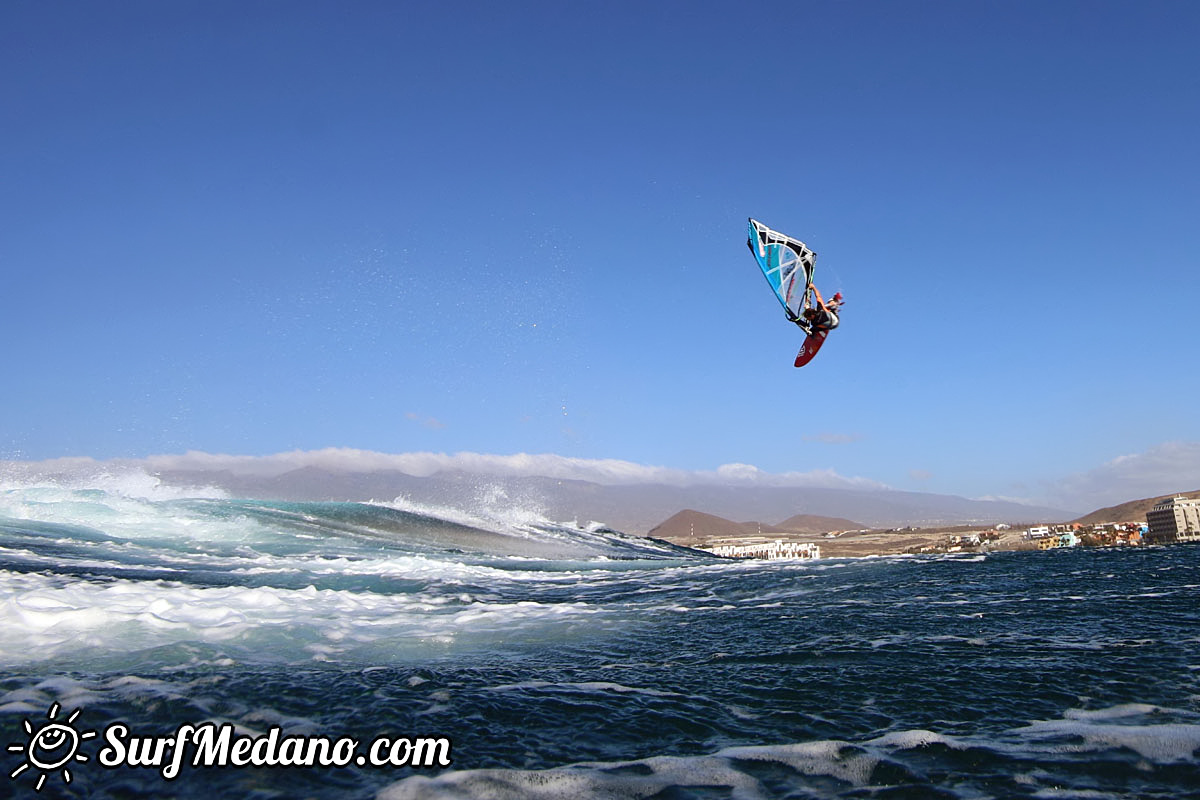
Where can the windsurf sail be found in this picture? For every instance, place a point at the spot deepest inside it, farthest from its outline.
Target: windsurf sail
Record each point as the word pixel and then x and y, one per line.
pixel 786 263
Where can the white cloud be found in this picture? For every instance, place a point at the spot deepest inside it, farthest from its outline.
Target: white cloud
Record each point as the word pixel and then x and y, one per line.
pixel 739 472
pixel 1165 468
pixel 603 471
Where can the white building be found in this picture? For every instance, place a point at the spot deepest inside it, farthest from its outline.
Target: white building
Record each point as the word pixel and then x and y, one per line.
pixel 775 549
pixel 1176 519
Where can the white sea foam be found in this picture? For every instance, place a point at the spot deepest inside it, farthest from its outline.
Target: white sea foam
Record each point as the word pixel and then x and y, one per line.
pixel 84 474
pixel 125 516
pixel 1150 731
pixel 29 557
pixel 123 555
pixel 1122 711
pixel 833 758
pixel 630 780
pixel 722 772
pixel 493 513
pixel 523 518
pixel 907 740
pixel 420 568
pixel 56 617
pixel 582 781
pixel 95 523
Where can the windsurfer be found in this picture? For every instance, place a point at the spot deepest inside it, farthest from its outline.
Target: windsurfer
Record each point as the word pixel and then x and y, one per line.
pixel 821 318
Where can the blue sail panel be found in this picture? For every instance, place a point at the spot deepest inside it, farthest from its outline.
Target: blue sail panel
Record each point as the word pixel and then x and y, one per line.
pixel 786 263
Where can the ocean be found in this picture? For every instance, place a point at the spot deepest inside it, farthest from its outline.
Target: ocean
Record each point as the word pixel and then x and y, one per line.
pixel 497 654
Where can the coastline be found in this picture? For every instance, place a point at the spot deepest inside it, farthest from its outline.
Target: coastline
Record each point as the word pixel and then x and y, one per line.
pixel 858 544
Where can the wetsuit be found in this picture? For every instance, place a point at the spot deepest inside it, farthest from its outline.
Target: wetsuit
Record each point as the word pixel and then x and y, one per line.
pixel 825 320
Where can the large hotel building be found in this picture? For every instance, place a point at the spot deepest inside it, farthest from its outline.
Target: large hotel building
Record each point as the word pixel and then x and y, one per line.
pixel 1176 519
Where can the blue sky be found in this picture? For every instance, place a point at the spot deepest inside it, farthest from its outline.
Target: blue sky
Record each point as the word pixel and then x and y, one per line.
pixel 252 228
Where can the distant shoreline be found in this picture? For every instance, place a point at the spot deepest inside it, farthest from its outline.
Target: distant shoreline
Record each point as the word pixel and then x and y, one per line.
pixel 858 544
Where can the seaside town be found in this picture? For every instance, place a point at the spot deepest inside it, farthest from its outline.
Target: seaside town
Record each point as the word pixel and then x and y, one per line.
pixel 770 550
pixel 1172 520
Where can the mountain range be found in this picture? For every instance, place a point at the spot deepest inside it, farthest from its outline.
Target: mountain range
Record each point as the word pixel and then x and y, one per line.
pixel 697 529
pixel 632 508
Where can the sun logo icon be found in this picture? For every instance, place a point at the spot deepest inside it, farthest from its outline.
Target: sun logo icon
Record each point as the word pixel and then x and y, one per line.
pixel 51 747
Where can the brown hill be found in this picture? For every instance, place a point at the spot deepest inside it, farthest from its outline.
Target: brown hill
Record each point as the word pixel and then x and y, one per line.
pixel 1133 511
pixel 812 523
pixel 697 529
pixel 694 528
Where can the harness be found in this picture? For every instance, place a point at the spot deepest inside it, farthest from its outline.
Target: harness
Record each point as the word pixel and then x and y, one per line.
pixel 825 320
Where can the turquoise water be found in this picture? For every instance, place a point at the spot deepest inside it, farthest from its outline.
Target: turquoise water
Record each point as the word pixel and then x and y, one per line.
pixel 567 661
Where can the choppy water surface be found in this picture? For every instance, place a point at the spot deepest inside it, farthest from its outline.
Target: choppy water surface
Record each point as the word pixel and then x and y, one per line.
pixel 566 661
